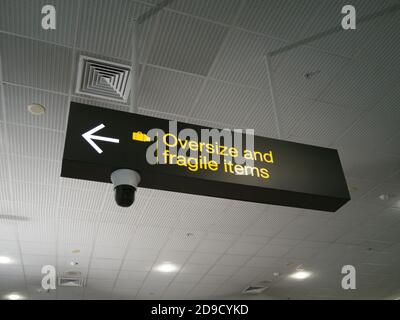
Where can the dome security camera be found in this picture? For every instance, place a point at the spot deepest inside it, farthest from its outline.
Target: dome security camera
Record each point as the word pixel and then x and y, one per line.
pixel 125 183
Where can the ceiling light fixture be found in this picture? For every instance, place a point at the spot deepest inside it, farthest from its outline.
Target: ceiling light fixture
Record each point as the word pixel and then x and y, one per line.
pixel 300 275
pixel 384 197
pixel 4 260
pixel 14 296
pixel 166 267
pixel 36 109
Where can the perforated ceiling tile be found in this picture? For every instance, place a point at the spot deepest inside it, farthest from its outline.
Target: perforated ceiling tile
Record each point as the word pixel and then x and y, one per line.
pixel 99 31
pixel 282 19
pixel 223 10
pixel 225 103
pixel 291 78
pixel 343 42
pixel 325 122
pixel 46 172
pixel 18 98
pixel 35 142
pixel 24 18
pixel 32 63
pixel 168 91
pixel 241 60
pixel 198 43
pixel 368 133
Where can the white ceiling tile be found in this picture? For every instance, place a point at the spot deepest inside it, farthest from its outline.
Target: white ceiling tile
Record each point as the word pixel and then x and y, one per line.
pixel 281 19
pixel 24 18
pixel 245 248
pixel 353 88
pixel 135 265
pixel 289 78
pixel 368 132
pixel 32 63
pixel 46 172
pixel 325 122
pixel 35 142
pixel 175 257
pixel 82 199
pixel 271 250
pixel 233 260
pixel 223 10
pixel 188 278
pixel 76 231
pixel 37 248
pixel 214 246
pixel 168 91
pixel 185 44
pixel 8 232
pixel 262 262
pixel 38 231
pixel 106 264
pixel 108 252
pixel 343 42
pixel 179 240
pixel 18 98
pixel 224 102
pixel 114 234
pixel 364 164
pixel 199 267
pixel 142 254
pixel 100 32
pixel 203 258
pixel 241 60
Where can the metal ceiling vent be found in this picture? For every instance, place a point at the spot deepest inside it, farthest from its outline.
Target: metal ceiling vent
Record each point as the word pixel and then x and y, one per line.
pixel 254 289
pixel 69 281
pixel 103 79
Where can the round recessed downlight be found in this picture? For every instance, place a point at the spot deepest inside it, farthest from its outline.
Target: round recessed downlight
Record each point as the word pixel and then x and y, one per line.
pixel 167 267
pixel 4 260
pixel 36 109
pixel 300 275
pixel 14 296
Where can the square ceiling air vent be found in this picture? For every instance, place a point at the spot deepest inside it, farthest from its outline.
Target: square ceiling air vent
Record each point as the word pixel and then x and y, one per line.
pixel 103 79
pixel 254 289
pixel 71 282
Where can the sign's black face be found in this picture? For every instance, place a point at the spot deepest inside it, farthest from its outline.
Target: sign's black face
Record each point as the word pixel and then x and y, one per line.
pixel 100 141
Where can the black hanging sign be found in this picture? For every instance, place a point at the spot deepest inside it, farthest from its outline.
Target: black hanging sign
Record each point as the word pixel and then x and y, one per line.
pixel 99 141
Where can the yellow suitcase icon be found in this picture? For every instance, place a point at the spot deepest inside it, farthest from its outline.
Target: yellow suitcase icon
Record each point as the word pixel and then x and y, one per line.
pixel 140 136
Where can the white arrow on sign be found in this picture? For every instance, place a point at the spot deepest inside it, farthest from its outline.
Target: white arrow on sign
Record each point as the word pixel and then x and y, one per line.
pixel 89 137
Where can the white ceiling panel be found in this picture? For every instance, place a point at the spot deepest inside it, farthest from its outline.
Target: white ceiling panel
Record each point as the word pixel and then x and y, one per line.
pixel 281 19
pixel 368 133
pixel 100 32
pixel 352 89
pixel 32 63
pixel 25 17
pixel 168 91
pixel 35 142
pixel 198 43
pixel 221 101
pixel 222 11
pixel 242 59
pixel 324 122
pixel 18 98
pixel 289 77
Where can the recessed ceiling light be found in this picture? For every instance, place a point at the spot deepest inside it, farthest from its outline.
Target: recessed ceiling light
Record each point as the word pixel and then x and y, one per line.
pixel 167 267
pixel 14 296
pixel 300 275
pixel 384 197
pixel 36 109
pixel 4 260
